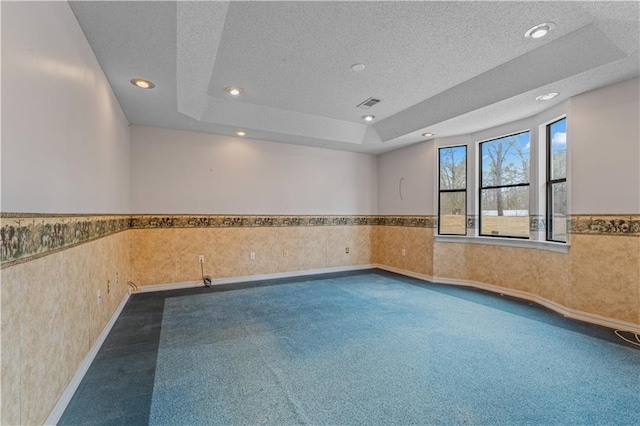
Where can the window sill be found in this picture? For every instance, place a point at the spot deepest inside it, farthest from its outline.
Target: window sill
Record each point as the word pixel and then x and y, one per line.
pixel 507 242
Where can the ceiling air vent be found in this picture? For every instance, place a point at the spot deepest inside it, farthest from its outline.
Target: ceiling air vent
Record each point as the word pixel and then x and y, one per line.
pixel 368 103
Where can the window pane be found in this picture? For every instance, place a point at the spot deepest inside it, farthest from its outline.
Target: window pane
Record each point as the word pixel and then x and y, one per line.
pixel 558 210
pixel 453 167
pixel 505 211
pixel 505 161
pixel 453 213
pixel 558 144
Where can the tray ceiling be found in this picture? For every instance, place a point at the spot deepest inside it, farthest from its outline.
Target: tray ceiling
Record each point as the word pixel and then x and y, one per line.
pixel 442 67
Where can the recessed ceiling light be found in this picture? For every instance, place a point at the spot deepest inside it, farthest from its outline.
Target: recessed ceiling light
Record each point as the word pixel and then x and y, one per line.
pixel 240 133
pixel 142 83
pixel 357 67
pixel 234 90
pixel 547 96
pixel 539 30
pixel 368 117
pixel 427 135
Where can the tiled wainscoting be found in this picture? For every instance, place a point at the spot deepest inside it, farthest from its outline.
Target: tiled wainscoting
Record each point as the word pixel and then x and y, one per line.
pixel 161 256
pixel 51 318
pixel 600 275
pixel 168 253
pixel 54 265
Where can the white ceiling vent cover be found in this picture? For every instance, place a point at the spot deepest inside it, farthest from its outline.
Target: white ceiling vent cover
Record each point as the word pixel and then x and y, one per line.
pixel 369 103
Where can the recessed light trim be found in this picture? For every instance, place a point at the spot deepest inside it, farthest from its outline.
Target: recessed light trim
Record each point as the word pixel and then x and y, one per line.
pixel 368 117
pixel 142 83
pixel 539 30
pixel 427 135
pixel 240 133
pixel 357 67
pixel 234 90
pixel 547 96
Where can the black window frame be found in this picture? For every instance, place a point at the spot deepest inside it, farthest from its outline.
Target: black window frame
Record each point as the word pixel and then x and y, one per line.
pixel 481 188
pixel 440 190
pixel 550 182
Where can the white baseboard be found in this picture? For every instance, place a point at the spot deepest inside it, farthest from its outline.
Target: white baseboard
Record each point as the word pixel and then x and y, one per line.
pixel 66 396
pixel 169 286
pixel 246 278
pixel 404 272
pixel 562 310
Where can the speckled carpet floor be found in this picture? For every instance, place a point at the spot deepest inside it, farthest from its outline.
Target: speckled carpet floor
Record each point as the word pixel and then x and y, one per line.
pixel 357 348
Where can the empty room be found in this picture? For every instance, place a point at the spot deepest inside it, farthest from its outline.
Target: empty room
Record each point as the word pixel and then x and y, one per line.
pixel 328 213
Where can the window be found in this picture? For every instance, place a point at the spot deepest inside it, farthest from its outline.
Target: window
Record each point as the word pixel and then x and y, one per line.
pixel 521 186
pixel 504 186
pixel 557 181
pixel 452 193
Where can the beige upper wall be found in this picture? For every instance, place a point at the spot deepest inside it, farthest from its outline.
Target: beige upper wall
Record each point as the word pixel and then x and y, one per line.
pixel 66 148
pixel 604 133
pixel 65 139
pixel 604 146
pixel 414 195
pixel 176 171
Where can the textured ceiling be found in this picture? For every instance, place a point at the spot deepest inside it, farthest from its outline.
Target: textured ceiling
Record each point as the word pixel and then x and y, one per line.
pixel 444 67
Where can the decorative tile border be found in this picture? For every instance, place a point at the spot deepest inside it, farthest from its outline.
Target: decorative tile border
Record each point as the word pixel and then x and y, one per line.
pixel 231 221
pixel 25 236
pixel 409 221
pixel 248 221
pixel 623 225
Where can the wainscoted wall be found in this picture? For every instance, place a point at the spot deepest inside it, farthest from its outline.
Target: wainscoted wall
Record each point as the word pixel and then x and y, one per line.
pixel 533 271
pixel 406 248
pixel 599 275
pixel 51 275
pixel 605 276
pixel 166 249
pixel 51 318
pixel 604 266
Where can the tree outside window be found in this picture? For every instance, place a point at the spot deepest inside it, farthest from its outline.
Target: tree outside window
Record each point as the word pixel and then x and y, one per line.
pixel 452 194
pixel 504 189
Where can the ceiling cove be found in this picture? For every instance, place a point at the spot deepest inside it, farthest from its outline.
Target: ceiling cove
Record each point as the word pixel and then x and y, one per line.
pixel 446 68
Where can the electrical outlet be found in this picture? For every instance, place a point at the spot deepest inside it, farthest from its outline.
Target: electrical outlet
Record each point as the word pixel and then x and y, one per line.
pixel 404 252
pixel 201 258
pixel 346 250
pixel 117 280
pixel 252 256
pixel 98 297
pixel 108 286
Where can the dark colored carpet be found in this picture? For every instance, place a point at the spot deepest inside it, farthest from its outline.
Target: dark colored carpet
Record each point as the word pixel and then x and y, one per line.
pixel 355 348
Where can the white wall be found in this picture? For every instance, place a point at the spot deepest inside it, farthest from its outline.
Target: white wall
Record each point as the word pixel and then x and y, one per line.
pixel 604 150
pixel 415 166
pixel 185 172
pixel 65 139
pixel 604 140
